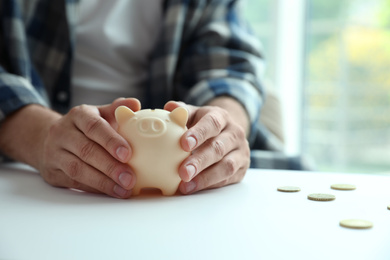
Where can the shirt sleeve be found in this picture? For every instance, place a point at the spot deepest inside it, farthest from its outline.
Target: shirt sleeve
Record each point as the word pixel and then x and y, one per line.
pixel 221 57
pixel 16 92
pixel 19 83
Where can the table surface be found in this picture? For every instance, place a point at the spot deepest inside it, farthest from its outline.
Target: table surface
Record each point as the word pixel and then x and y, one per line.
pixel 249 220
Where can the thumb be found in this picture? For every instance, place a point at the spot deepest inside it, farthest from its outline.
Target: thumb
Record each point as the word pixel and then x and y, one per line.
pixel 108 111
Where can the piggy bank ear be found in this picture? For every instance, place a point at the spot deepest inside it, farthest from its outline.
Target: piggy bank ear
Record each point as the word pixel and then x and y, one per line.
pixel 122 114
pixel 179 116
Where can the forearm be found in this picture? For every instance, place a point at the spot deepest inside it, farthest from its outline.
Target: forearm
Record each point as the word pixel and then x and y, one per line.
pixel 22 133
pixel 235 109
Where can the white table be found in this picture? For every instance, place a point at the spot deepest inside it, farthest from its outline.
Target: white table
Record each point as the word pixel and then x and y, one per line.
pixel 250 220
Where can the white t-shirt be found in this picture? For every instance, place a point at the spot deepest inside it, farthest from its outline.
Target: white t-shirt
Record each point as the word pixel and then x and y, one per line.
pixel 114 40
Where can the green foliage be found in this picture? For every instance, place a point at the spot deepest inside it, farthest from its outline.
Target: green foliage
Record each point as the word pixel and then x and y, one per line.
pixel 384 14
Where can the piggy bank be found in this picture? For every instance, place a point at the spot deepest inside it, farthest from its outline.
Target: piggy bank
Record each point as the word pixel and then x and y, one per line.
pixel 154 135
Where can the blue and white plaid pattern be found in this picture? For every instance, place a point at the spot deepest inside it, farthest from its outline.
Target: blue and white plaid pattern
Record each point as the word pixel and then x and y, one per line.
pixel 204 50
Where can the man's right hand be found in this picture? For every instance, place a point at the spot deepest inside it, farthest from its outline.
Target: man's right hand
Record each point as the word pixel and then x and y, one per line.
pixel 79 150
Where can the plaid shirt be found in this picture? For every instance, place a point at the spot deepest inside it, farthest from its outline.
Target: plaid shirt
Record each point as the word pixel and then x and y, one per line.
pixel 204 50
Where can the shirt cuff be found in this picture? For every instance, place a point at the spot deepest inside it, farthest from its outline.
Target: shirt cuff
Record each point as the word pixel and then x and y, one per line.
pixel 16 92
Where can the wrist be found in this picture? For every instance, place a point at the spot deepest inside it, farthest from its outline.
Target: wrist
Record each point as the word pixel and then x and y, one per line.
pixel 22 134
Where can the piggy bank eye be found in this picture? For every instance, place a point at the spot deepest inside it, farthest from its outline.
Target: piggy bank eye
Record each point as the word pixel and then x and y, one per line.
pixel 144 126
pixel 157 125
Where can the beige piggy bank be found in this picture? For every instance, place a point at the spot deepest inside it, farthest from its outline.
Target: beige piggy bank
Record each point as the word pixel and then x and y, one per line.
pixel 154 136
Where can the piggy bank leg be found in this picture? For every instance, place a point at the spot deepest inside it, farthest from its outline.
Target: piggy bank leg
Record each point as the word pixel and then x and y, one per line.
pixel 136 191
pixel 169 191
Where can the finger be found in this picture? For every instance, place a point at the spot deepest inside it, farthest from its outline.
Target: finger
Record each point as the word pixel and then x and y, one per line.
pixel 233 163
pixel 172 105
pixel 94 155
pixel 208 126
pixel 236 178
pixel 82 173
pixel 209 153
pixel 108 111
pixel 59 179
pixel 88 120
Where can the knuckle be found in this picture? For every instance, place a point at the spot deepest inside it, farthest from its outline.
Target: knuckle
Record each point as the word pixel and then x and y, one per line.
pixel 205 181
pixel 202 133
pixel 74 111
pixel 230 166
pixel 196 161
pixel 74 170
pixel 91 125
pixel 112 141
pixel 216 121
pixel 110 169
pixel 102 185
pixel 219 148
pixel 86 150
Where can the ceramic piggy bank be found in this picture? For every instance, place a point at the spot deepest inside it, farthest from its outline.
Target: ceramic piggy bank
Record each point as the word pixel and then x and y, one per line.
pixel 154 136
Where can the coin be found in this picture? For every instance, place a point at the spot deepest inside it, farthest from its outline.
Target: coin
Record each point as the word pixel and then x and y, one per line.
pixel 343 187
pixel 388 207
pixel 356 223
pixel 321 197
pixel 289 189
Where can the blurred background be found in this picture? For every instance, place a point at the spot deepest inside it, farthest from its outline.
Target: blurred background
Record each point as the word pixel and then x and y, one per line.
pixel 329 60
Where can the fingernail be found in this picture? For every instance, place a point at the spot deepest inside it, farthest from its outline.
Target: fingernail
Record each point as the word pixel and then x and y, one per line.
pixel 122 153
pixel 191 142
pixel 125 179
pixel 190 186
pixel 118 190
pixel 191 171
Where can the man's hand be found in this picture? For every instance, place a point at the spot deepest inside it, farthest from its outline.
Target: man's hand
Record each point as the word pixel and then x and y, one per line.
pixel 217 140
pixel 79 150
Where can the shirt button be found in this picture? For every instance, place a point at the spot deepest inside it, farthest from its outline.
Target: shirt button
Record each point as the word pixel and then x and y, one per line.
pixel 62 96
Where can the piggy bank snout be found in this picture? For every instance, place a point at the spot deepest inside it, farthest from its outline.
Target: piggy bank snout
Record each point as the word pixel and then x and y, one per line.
pixel 151 126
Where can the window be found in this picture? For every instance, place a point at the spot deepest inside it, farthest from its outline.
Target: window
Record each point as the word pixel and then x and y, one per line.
pixel 262 18
pixel 329 60
pixel 280 26
pixel 346 121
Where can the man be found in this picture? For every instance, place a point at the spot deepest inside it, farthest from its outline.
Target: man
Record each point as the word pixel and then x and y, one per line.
pixel 202 54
